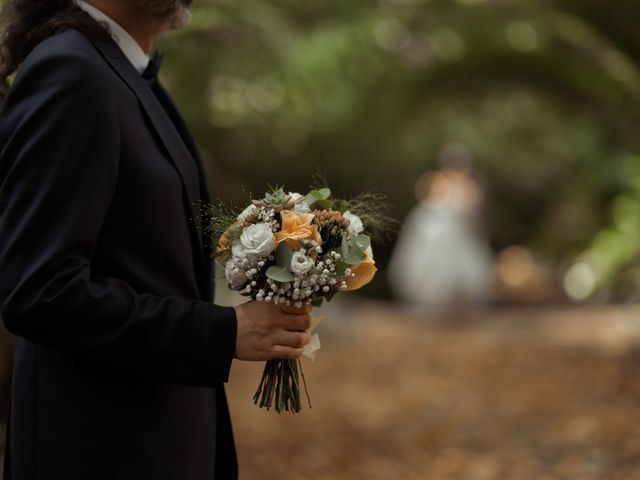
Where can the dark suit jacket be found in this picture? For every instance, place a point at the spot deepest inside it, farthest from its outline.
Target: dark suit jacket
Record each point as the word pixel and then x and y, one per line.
pixel 106 278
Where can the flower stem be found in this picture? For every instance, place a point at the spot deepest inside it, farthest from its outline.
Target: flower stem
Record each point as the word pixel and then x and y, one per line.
pixel 304 382
pixel 280 384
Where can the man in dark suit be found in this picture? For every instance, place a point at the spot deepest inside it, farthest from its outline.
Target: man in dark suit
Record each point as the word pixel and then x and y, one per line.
pixel 105 274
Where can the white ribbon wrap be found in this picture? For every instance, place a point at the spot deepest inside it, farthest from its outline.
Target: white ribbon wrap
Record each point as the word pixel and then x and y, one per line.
pixel 311 349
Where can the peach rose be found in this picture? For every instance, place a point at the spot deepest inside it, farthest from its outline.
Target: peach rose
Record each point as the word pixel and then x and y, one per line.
pixel 223 242
pixel 363 273
pixel 297 227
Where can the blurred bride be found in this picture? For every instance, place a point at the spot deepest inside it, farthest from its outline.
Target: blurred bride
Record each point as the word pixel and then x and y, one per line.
pixel 442 259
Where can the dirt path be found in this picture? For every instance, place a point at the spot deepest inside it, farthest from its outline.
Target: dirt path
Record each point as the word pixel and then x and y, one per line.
pixel 516 395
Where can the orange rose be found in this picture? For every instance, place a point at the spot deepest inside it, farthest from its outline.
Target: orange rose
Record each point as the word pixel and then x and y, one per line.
pixel 297 227
pixel 363 273
pixel 223 243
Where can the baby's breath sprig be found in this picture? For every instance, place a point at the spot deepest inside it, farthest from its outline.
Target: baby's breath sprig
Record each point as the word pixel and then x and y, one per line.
pixel 221 215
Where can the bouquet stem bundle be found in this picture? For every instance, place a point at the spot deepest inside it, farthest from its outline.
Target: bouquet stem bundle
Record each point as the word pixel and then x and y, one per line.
pixel 280 383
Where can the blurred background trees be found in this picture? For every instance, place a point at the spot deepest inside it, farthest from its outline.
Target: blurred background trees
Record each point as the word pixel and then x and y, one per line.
pixel 545 94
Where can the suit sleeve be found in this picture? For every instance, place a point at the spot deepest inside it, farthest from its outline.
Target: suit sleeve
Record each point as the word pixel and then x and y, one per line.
pixel 60 141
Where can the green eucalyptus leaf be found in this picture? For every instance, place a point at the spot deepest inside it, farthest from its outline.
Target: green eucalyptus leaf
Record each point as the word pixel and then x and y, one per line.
pixel 341 206
pixel 284 254
pixel 354 257
pixel 352 249
pixel 319 198
pixel 341 268
pixel 325 193
pixel 363 241
pixel 312 197
pixel 324 204
pixel 344 248
pixel 279 274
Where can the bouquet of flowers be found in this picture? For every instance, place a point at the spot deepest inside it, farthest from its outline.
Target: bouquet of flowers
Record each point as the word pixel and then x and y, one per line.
pixel 296 251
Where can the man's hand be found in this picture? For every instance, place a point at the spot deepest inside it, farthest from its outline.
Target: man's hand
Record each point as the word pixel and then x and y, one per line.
pixel 266 332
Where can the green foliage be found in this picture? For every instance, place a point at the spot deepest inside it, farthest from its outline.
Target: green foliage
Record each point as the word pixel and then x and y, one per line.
pixel 284 254
pixel 279 274
pixel 319 199
pixel 610 265
pixel 353 249
pixel 545 94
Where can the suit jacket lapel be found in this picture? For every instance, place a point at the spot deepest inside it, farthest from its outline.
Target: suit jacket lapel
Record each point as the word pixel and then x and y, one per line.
pixel 184 132
pixel 178 152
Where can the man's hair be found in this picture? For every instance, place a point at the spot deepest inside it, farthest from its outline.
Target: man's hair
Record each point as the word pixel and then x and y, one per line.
pixel 26 23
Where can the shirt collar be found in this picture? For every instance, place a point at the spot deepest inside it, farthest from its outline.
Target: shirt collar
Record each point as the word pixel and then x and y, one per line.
pixel 126 42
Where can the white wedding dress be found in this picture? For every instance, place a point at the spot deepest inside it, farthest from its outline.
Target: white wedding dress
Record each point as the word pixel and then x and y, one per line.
pixel 440 259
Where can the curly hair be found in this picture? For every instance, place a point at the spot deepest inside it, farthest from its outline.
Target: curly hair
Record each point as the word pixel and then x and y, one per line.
pixel 26 23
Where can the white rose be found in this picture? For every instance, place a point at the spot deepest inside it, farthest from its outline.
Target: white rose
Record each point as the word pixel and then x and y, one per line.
pixel 250 210
pixel 300 207
pixel 355 223
pixel 300 263
pixel 258 240
pixel 236 276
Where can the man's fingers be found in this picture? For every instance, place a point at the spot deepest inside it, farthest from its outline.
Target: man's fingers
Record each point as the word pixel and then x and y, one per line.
pixel 296 323
pixel 292 339
pixel 285 353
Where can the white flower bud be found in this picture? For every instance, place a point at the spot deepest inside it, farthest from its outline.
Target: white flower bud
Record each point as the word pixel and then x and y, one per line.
pixel 300 263
pixel 301 206
pixel 355 223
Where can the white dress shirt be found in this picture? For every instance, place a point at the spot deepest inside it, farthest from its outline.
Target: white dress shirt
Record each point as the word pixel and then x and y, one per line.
pixel 131 49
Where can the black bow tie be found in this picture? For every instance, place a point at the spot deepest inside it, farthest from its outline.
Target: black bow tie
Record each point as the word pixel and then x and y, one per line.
pixel 153 68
